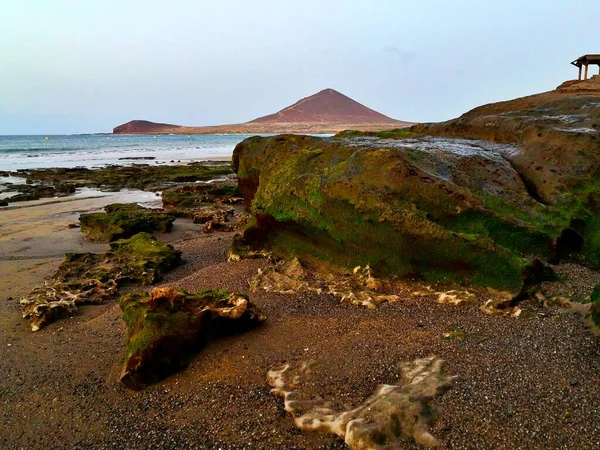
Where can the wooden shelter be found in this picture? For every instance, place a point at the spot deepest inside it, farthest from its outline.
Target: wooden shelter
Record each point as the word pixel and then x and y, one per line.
pixel 586 60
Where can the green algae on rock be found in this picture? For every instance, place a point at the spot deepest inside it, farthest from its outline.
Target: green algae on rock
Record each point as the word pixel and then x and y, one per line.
pixel 123 221
pixel 391 417
pixel 30 192
pixel 595 310
pixel 406 207
pixel 189 197
pixel 359 288
pixel 166 327
pixel 88 278
pixel 138 176
pixel 210 204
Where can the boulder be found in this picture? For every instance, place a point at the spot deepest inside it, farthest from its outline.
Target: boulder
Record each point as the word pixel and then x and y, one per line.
pixel 91 278
pixel 410 207
pixel 121 221
pixel 166 327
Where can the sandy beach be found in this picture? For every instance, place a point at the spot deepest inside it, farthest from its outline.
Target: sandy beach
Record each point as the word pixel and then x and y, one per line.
pixel 527 382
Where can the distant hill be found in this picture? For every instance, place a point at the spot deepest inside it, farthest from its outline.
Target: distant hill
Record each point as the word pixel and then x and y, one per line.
pixel 327 111
pixel 143 127
pixel 327 106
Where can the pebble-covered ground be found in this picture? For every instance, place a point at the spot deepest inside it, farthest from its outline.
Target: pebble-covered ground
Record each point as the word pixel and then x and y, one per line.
pixel 531 382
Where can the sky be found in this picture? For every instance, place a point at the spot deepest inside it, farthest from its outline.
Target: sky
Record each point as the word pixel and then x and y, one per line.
pixel 88 66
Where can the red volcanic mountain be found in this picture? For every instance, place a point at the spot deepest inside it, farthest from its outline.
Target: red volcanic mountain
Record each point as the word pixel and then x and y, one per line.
pixel 327 106
pixel 327 111
pixel 143 127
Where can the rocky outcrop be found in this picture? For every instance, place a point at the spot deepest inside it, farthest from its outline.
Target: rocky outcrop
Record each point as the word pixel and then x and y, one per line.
pixel 414 208
pixel 359 288
pixel 121 221
pixel 139 176
pixel 30 192
pixel 393 416
pixel 167 327
pixel 209 204
pixel 431 207
pixel 91 278
pixel 557 132
pixel 181 199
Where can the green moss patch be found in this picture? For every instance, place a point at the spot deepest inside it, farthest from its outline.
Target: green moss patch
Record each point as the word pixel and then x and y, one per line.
pixel 96 277
pixel 407 209
pixel 167 327
pixel 123 221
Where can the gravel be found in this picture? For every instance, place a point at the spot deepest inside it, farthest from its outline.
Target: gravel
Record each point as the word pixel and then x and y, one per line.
pixel 529 382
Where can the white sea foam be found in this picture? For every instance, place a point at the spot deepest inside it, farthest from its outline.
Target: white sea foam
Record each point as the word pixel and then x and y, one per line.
pixel 32 152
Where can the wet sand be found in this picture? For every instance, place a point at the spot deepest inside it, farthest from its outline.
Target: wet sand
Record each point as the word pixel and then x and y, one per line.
pixel 531 382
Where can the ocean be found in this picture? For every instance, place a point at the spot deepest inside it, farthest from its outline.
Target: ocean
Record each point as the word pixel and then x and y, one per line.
pixel 32 152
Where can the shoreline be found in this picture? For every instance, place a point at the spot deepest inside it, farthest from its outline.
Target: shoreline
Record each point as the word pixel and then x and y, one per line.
pixel 67 151
pixel 59 380
pixel 62 378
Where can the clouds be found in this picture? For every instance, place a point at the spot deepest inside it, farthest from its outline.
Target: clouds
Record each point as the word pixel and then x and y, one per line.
pixel 402 56
pixel 87 66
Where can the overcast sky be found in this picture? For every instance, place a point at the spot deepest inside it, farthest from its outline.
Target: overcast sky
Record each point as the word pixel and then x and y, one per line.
pixel 87 66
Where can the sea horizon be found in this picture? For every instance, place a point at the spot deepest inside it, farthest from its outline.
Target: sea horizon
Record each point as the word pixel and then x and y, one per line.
pixel 24 152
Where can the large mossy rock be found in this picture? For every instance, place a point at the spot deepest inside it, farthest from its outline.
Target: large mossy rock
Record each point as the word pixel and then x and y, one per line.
pixel 88 278
pixel 167 327
pixel 443 209
pixel 595 310
pixel 122 220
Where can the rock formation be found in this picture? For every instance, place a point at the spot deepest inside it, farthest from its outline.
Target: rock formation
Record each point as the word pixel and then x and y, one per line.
pixel 87 278
pixel 139 176
pixel 437 207
pixel 393 415
pixel 167 327
pixel 209 204
pixel 359 288
pixel 181 199
pixel 30 192
pixel 121 221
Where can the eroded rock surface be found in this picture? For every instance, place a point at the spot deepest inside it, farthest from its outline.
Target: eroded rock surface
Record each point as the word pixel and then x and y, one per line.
pixel 167 327
pixel 120 221
pixel 182 198
pixel 93 277
pixel 393 415
pixel 289 277
pixel 35 192
pixel 138 176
